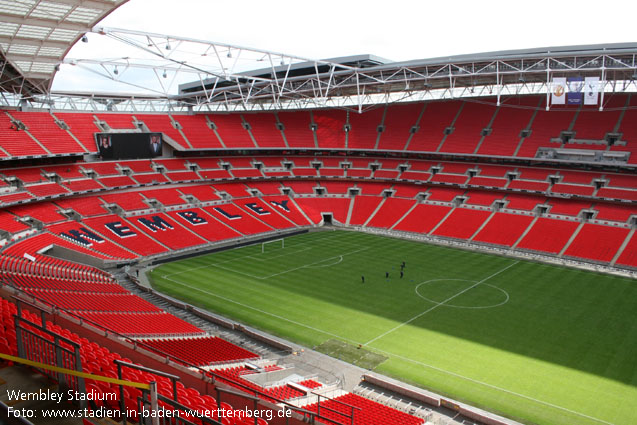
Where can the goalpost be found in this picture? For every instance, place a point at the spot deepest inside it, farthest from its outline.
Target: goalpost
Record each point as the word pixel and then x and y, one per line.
pixel 282 244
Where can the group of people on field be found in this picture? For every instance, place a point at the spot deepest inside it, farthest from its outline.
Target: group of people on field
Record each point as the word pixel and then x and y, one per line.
pixel 402 273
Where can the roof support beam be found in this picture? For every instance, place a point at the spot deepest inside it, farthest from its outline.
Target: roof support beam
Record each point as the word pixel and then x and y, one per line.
pixel 47 23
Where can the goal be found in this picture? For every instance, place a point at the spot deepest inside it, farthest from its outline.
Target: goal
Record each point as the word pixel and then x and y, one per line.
pixel 279 243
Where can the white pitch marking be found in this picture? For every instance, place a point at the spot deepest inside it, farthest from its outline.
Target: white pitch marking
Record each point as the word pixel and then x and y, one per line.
pixel 267 313
pixel 239 258
pixel 506 294
pixel 340 259
pixel 475 381
pixel 254 257
pixel 439 304
pixel 316 262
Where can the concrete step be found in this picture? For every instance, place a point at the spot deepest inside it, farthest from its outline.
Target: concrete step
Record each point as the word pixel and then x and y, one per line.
pixel 622 247
pixel 482 226
pixel 380 205
pixel 528 229
pixel 571 239
pixel 441 221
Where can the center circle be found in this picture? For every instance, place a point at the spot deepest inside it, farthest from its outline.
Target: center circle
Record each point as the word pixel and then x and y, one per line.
pixel 495 296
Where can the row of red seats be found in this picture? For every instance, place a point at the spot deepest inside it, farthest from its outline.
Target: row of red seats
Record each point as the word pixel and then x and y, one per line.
pixel 292 129
pixel 93 302
pixel 99 360
pixel 621 186
pixel 201 351
pixel 34 244
pixel 233 377
pixel 258 216
pixel 366 412
pixel 141 324
pixel 41 282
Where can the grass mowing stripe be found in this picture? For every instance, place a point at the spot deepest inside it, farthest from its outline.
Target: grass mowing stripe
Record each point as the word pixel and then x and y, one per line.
pixel 257 310
pixel 439 304
pixel 559 352
pixel 388 353
pixel 252 255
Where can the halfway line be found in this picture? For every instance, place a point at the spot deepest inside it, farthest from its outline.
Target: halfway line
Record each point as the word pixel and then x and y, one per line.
pixel 439 304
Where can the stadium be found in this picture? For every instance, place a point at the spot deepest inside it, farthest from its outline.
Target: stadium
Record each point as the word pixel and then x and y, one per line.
pixel 219 234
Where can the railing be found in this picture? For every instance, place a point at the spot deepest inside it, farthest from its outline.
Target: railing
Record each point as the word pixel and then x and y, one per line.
pixel 144 405
pixel 245 391
pixel 55 350
pixel 348 418
pixel 49 369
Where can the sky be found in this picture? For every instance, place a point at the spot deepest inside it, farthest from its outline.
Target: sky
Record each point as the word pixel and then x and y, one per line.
pixel 396 30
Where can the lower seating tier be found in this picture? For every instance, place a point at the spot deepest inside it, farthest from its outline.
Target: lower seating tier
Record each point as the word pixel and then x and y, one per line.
pixel 200 351
pixel 366 412
pixel 141 324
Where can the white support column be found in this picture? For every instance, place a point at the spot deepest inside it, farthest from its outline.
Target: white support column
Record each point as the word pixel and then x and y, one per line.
pixel 154 405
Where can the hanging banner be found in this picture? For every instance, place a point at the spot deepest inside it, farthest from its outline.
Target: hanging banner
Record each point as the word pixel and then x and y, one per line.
pixel 575 90
pixel 591 90
pixel 558 96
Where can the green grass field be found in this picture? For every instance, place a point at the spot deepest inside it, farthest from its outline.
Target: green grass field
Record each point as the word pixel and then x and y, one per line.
pixel 534 342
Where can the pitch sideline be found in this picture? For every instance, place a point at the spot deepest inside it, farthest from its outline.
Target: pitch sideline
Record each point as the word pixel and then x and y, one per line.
pixel 475 381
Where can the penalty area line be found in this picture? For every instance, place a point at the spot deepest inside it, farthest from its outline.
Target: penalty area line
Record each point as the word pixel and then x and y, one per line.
pixel 316 262
pixel 244 256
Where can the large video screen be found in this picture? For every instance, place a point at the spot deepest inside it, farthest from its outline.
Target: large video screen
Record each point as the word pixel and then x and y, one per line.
pixel 128 145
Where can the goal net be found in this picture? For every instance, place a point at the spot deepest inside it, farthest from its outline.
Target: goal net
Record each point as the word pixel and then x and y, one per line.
pixel 273 245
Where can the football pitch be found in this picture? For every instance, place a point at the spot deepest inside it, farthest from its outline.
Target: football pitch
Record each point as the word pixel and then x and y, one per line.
pixel 534 342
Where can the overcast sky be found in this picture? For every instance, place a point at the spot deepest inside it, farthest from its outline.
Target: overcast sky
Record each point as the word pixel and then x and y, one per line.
pixel 392 29
pixel 395 29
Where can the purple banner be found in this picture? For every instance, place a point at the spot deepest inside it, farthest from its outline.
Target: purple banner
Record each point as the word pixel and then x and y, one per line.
pixel 575 86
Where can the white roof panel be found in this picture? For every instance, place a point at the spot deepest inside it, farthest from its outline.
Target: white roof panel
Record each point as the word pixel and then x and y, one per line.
pixel 63 35
pixel 19 8
pixel 8 28
pixel 48 10
pixel 32 31
pixel 83 15
pixel 46 29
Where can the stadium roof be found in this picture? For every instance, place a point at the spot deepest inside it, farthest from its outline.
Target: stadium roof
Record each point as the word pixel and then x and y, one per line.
pixel 160 72
pixel 35 35
pixel 187 74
